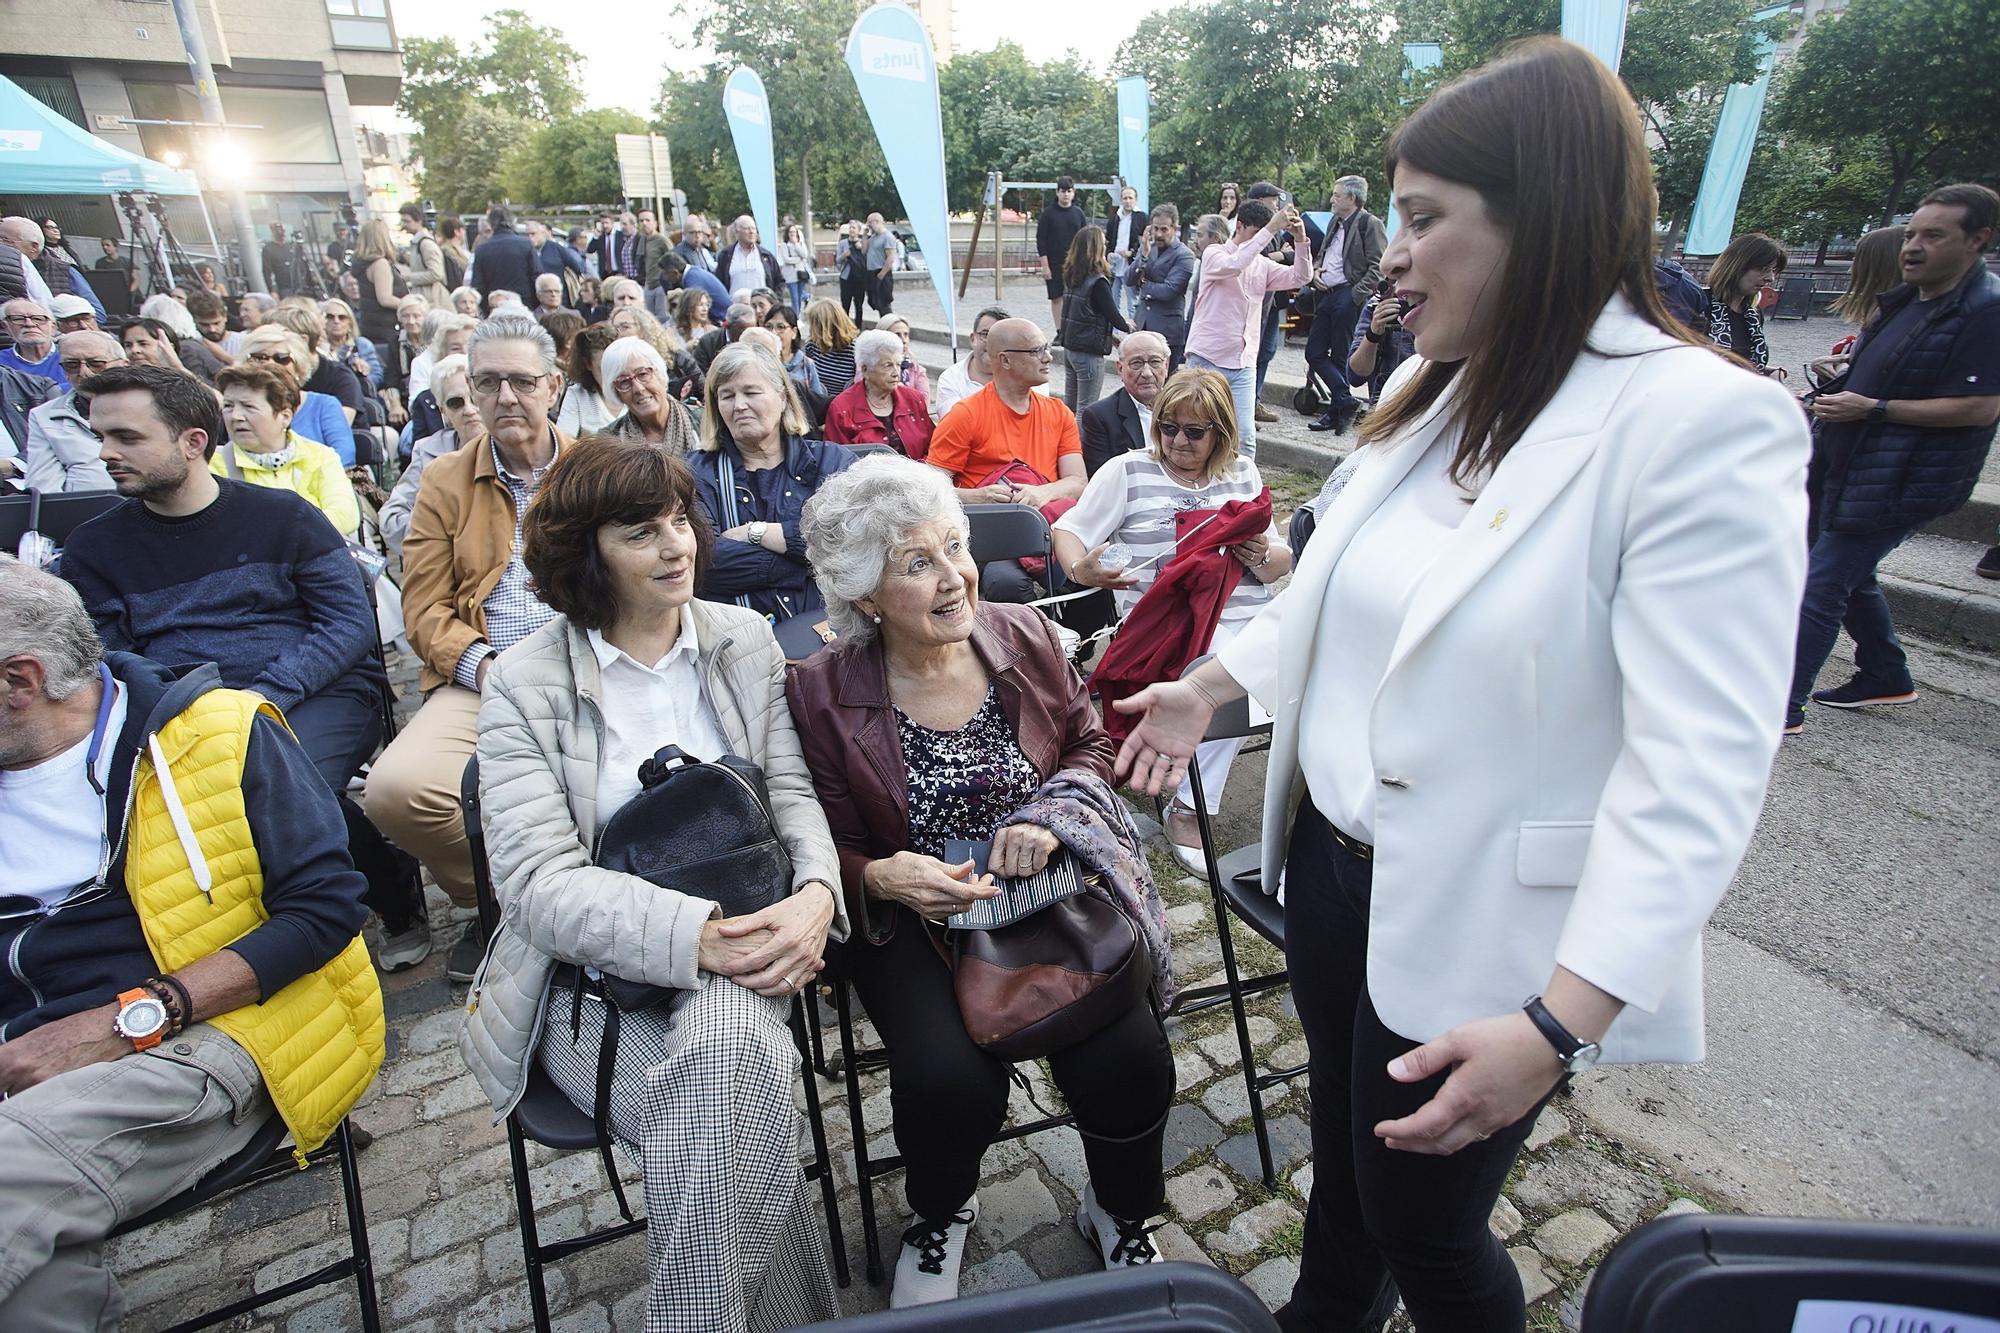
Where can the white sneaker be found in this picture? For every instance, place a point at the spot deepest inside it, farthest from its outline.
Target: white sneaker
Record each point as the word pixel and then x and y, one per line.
pixel 407 949
pixel 1120 1244
pixel 927 1269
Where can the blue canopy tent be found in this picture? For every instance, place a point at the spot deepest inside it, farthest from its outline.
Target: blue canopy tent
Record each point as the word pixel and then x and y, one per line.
pixel 44 152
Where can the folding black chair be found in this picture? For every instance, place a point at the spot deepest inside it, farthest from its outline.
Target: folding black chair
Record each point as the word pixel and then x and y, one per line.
pixel 1725 1274
pixel 16 517
pixel 267 1158
pixel 1235 887
pixel 60 515
pixel 388 705
pixel 863 450
pixel 1007 532
pixel 1156 1298
pixel 548 1117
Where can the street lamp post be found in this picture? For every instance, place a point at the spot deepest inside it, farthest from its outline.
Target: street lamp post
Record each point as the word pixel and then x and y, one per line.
pixel 211 110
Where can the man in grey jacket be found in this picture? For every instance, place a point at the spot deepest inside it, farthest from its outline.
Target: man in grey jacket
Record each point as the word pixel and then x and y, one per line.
pixel 1347 265
pixel 61 449
pixel 1161 275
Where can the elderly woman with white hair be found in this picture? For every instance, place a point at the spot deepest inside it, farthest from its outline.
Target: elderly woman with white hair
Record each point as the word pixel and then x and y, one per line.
pixel 935 719
pixel 636 375
pixel 462 425
pixel 319 416
pixel 346 344
pixel 754 470
pixel 467 301
pixel 878 408
pixel 914 374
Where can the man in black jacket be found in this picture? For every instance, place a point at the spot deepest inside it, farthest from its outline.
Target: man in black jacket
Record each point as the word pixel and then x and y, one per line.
pixel 1901 443
pixel 747 256
pixel 1347 263
pixel 1054 230
pixel 505 260
pixel 1124 421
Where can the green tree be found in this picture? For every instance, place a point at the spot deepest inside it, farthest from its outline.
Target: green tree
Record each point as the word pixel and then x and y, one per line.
pixel 1913 79
pixel 573 161
pixel 463 170
pixel 1032 122
pixel 521 68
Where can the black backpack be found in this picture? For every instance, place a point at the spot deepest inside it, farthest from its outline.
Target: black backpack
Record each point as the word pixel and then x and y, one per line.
pixel 454 272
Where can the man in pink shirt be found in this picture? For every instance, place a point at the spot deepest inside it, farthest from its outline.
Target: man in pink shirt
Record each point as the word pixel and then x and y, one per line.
pixel 1226 323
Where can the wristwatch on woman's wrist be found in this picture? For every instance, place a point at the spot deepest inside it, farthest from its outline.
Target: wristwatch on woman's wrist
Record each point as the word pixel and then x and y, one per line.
pixel 1576 1055
pixel 757 533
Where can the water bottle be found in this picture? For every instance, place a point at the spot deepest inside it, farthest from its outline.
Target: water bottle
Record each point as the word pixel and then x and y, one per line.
pixel 1116 556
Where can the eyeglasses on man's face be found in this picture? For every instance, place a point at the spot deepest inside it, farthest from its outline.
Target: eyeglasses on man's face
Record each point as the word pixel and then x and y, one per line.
pixel 29 319
pixel 1039 351
pixel 74 366
pixel 488 385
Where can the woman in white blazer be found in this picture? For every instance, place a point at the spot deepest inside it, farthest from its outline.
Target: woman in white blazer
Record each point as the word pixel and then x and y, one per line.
pixel 1523 679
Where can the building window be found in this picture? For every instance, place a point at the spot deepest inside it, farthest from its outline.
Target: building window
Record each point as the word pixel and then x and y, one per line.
pixel 361 23
pixel 295 124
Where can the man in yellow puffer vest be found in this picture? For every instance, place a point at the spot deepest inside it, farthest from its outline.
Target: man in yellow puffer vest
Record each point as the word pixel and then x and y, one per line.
pixel 179 921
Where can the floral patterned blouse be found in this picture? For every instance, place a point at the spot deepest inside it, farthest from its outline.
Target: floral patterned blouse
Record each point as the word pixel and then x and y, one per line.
pixel 964 782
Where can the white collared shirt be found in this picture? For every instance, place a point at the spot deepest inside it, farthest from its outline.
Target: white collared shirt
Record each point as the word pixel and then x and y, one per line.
pixel 647 707
pixel 1333 263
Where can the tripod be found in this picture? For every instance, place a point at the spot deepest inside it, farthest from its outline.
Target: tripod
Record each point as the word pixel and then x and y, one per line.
pixel 140 253
pixel 177 258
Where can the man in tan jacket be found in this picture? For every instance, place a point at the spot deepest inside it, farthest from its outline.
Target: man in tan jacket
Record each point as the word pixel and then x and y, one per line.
pixel 466 598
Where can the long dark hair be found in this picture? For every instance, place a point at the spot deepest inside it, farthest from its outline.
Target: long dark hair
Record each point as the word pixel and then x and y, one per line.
pixel 1752 250
pixel 1550 140
pixel 1085 259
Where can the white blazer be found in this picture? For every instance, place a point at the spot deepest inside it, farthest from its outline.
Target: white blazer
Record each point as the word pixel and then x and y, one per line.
pixel 1576 725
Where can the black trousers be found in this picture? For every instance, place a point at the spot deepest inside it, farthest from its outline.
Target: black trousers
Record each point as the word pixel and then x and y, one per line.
pixel 1380 1219
pixel 881 292
pixel 853 291
pixel 949 1098
pixel 338 729
pixel 1326 344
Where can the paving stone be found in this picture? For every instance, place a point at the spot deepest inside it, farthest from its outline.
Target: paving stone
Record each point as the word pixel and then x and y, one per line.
pixel 1010 1209
pixel 273 1201
pixel 482 1167
pixel 1571 1238
pixel 1681 1207
pixel 1570 1175
pixel 386 1115
pixel 1191 1069
pixel 461 1094
pixel 1550 1125
pixel 1173 1242
pixel 417 1073
pixel 508 1309
pixel 1290 1055
pixel 584 1319
pixel 1005 1270
pixel 1273 1280
pixel 197 1268
pixel 1197 1193
pixel 1190 917
pixel 253 1249
pixel 1062 1153
pixel 1505 1220
pixel 1535 1280
pixel 422 998
pixel 1189 1130
pixel 1571 1312
pixel 337 1313
pixel 1063 1252
pixel 1221 1049
pixel 461 1216
pixel 1252 1229
pixel 609 1271
pixel 166 1240
pixel 436 1032
pixel 1291 1143
pixel 1228 1100
pixel 432 1285
pixel 397 1153
pixel 628 1314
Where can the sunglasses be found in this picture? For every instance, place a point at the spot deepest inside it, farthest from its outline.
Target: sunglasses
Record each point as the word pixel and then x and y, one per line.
pixel 456 402
pixel 1173 430
pixel 90 365
pixel 282 358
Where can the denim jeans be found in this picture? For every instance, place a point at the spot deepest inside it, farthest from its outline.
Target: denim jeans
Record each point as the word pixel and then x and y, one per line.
pixel 801 294
pixel 1841 590
pixel 1326 345
pixel 1380 1219
pixel 1083 379
pixel 1243 389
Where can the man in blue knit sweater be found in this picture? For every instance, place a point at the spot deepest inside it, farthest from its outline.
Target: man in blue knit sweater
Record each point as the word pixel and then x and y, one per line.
pixel 198 568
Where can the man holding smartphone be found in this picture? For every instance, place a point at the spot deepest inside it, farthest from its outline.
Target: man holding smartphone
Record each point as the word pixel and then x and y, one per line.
pixel 1348 259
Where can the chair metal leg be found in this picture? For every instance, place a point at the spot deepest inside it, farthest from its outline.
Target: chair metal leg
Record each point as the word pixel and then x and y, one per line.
pixel 858 1131
pixel 357 1231
pixel 531 1241
pixel 1232 979
pixel 822 1160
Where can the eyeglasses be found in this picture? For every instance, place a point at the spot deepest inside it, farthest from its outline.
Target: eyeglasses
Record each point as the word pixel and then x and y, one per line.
pixel 487 386
pixel 455 403
pixel 88 365
pixel 1173 430
pixel 1147 363
pixel 282 358
pixel 625 383
pixel 1040 351
pixel 30 317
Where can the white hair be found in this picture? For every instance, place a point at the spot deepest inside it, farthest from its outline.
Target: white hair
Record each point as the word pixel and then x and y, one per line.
pixel 623 353
pixel 514 326
pixel 1353 187
pixel 458 363
pixel 41 616
pixel 876 346
pixel 448 322
pixel 857 519
pixel 171 313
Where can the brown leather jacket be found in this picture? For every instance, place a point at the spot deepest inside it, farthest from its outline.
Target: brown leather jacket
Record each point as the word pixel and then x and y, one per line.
pixel 461 537
pixel 840 705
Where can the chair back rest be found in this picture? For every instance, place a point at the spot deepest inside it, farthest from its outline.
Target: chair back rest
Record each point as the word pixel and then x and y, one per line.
pixel 1007 532
pixel 15 517
pixel 1232 720
pixel 475 839
pixel 863 450
pixel 63 514
pixel 1726 1274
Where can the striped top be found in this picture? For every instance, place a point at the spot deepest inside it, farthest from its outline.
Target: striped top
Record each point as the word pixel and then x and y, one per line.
pixel 1132 500
pixel 836 369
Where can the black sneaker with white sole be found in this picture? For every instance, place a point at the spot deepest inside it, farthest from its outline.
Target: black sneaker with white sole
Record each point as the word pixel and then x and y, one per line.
pixel 463 960
pixel 1860 693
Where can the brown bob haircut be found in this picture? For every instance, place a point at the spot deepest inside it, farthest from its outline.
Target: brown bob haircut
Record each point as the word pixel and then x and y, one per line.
pixel 1550 140
pixel 280 390
pixel 600 480
pixel 1750 251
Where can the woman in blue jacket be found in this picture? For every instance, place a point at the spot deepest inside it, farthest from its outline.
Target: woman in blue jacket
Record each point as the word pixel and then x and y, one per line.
pixel 754 471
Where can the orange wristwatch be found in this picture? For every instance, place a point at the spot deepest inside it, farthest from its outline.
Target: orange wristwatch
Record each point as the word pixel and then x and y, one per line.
pixel 142 1018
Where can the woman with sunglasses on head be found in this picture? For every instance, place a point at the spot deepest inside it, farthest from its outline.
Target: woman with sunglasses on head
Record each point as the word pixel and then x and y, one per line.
pixel 462 425
pixel 1523 679
pixel 1132 501
pixel 320 417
